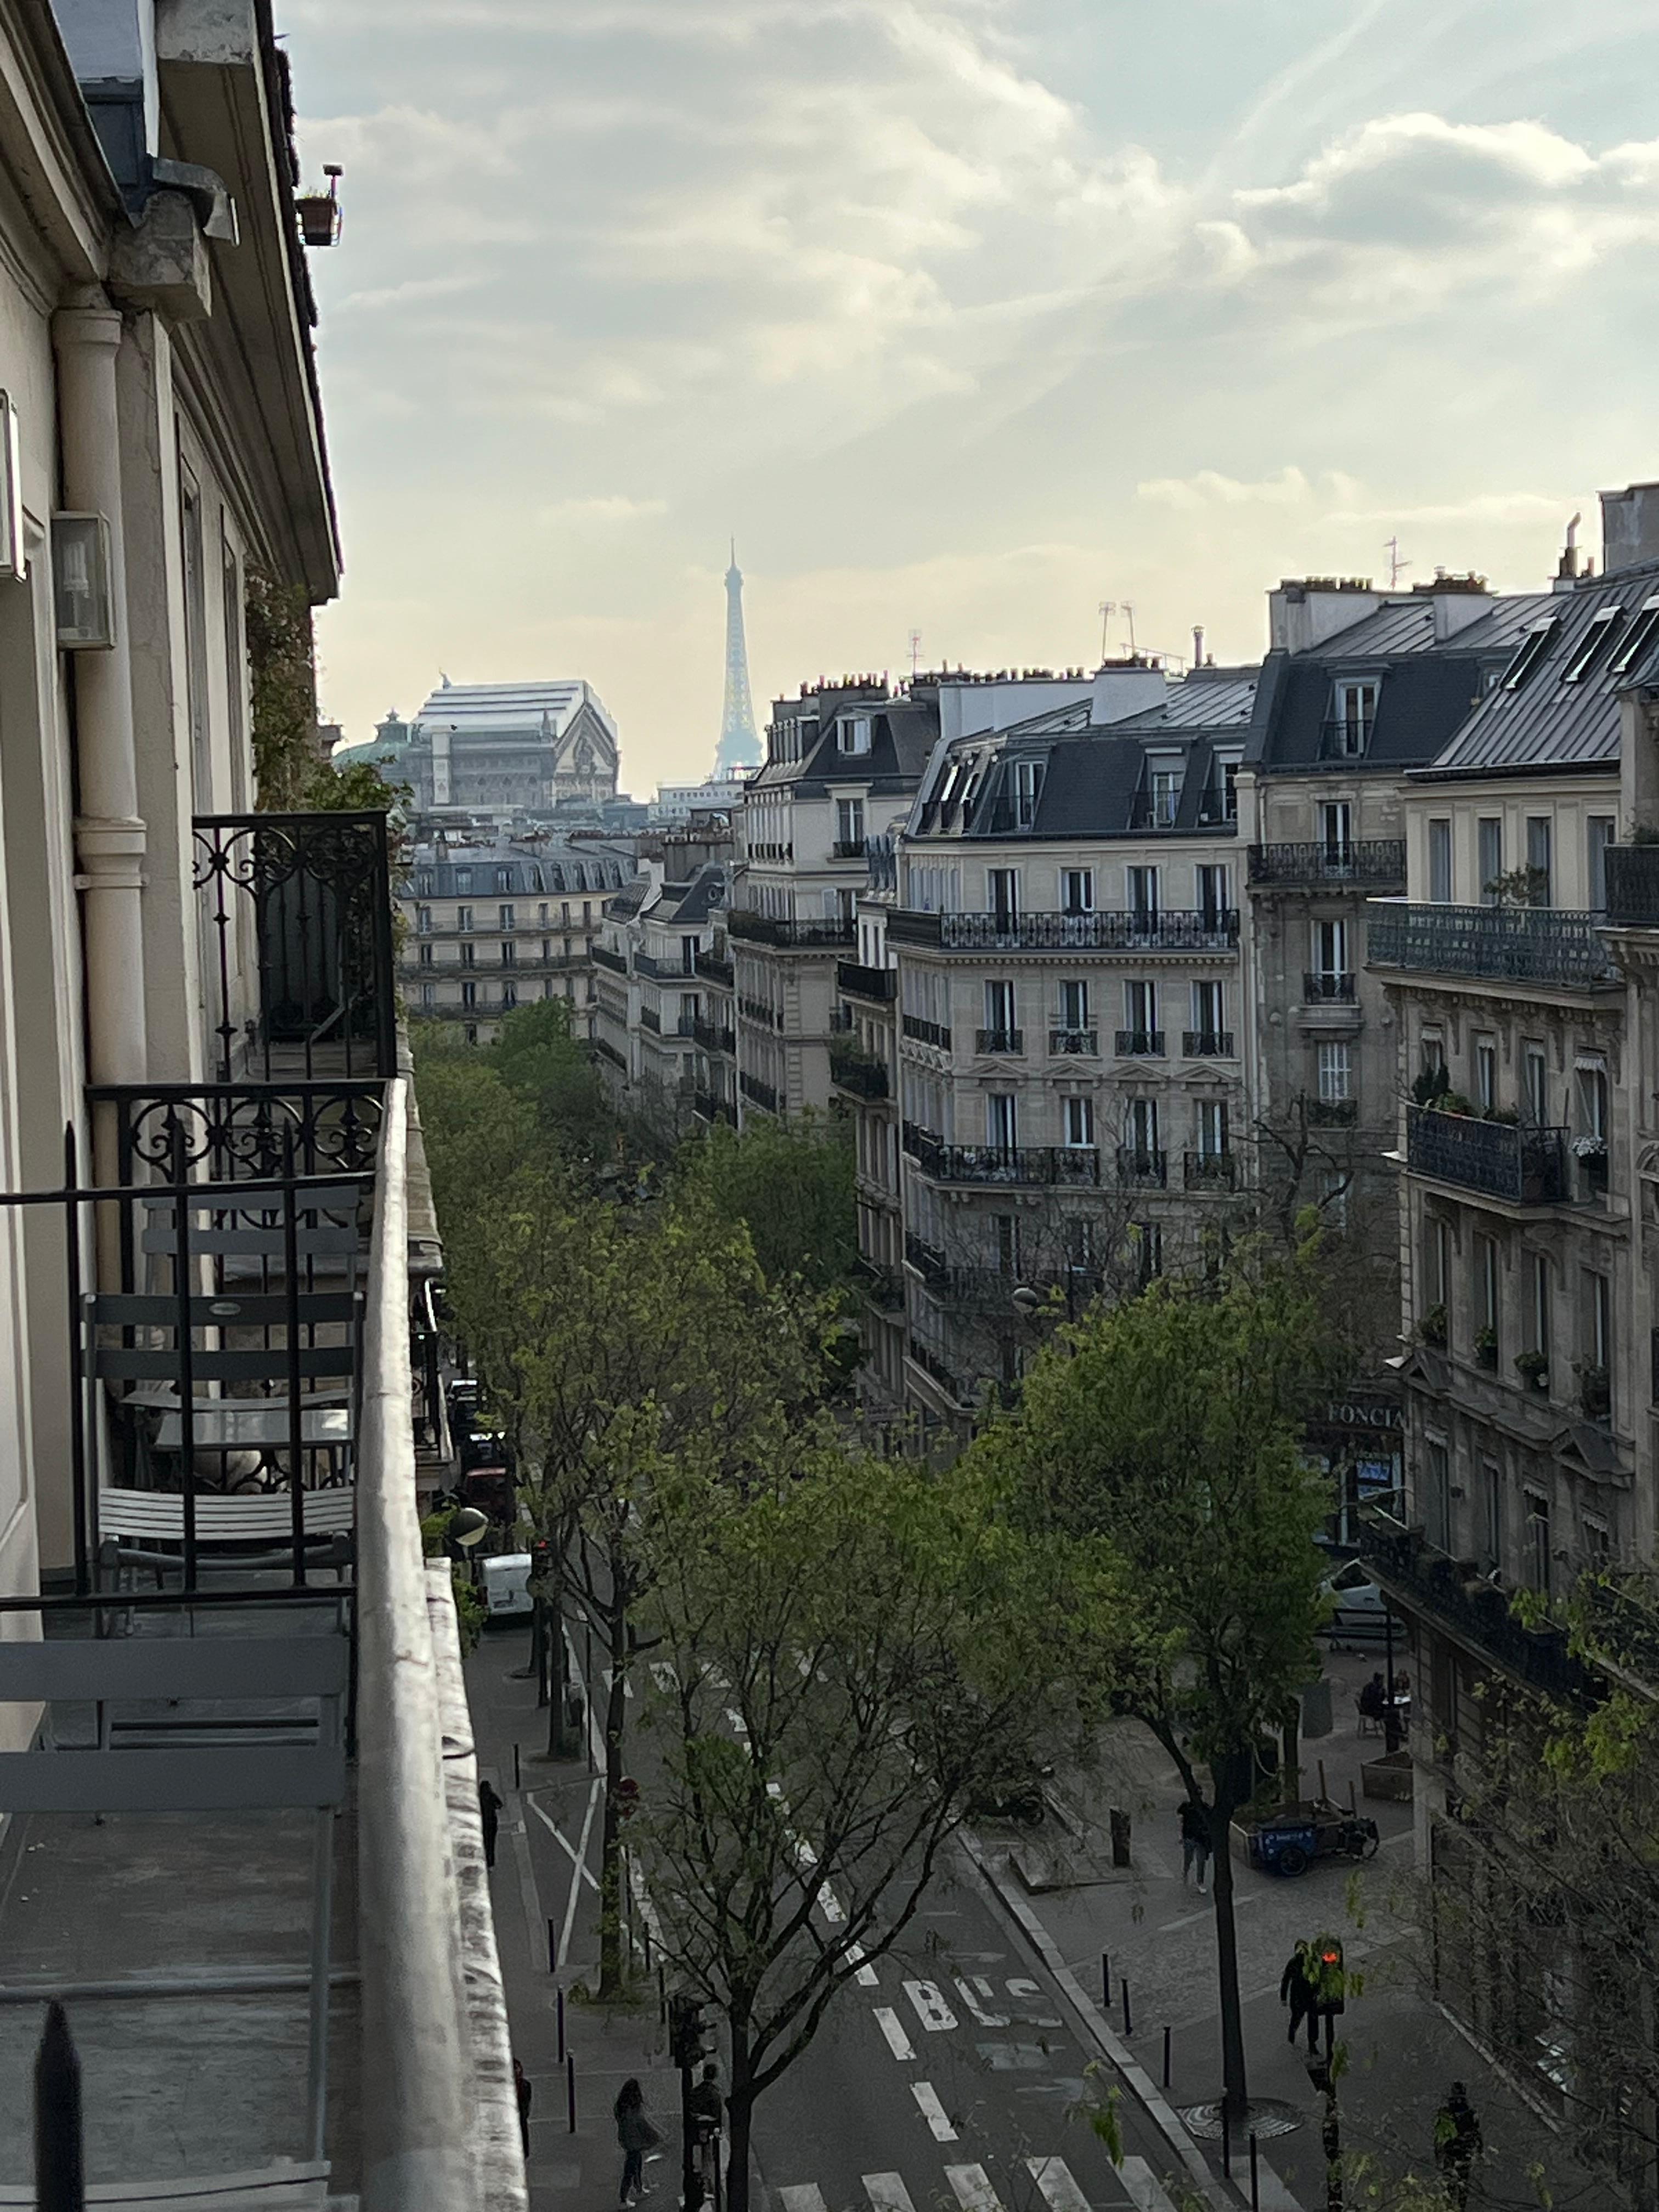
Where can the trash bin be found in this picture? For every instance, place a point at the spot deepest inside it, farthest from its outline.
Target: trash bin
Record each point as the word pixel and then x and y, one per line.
pixel 1317 1708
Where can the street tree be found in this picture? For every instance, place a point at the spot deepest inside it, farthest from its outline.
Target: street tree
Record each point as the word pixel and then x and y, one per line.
pixel 842 1658
pixel 1168 1427
pixel 539 1058
pixel 791 1184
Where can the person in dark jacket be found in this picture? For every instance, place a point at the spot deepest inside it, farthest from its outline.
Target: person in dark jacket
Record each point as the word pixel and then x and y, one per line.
pixel 524 2093
pixel 490 1819
pixel 1194 1843
pixel 1296 1989
pixel 1457 2143
pixel 636 2136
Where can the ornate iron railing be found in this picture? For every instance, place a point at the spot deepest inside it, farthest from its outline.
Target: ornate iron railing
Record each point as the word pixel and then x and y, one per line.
pixel 1428 1584
pixel 1138 1170
pixel 1499 1160
pixel 244 1132
pixel 925 1033
pixel 758 1090
pixel 714 1037
pixel 1519 944
pixel 858 982
pixel 1377 860
pixel 297 922
pixel 999 1039
pixel 1209 1170
pixel 856 1071
pixel 605 957
pixel 1207 1044
pixel 1085 1043
pixel 716 969
pixel 788 935
pixel 1329 987
pixel 1006 1163
pixel 712 1107
pixel 1140 1044
pixel 1633 886
pixel 928 1261
pixel 1107 930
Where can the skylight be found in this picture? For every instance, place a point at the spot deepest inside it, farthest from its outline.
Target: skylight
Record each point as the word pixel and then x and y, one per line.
pixel 1601 628
pixel 1531 650
pixel 1641 634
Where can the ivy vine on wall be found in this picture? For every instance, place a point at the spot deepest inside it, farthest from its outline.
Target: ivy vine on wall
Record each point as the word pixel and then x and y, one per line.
pixel 282 684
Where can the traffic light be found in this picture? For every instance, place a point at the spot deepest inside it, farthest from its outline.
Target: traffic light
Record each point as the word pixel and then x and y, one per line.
pixel 1330 1978
pixel 690 2036
pixel 541 1557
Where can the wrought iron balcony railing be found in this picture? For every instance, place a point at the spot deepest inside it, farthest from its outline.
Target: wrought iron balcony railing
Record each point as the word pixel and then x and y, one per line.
pixel 1347 738
pixel 758 1091
pixel 1333 1113
pixel 1107 930
pixel 854 1070
pixel 1498 1159
pixel 1207 1044
pixel 1082 1043
pixel 1507 944
pixel 758 1011
pixel 717 970
pixel 926 1358
pixel 788 935
pixel 1328 987
pixel 1375 861
pixel 650 1018
pixel 848 848
pixel 1633 886
pixel 297 910
pixel 710 1107
pixel 999 1039
pixel 1427 1584
pixel 1138 1170
pixel 1140 1044
pixel 858 982
pixel 715 1037
pixel 927 1259
pixel 1209 1170
pixel 1061 1165
pixel 925 1033
pixel 605 957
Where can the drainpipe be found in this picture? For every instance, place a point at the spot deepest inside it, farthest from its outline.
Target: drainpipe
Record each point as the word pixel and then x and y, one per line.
pixel 109 836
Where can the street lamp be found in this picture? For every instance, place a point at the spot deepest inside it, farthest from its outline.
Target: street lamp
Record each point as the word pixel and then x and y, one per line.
pixel 467 1527
pixel 1030 1302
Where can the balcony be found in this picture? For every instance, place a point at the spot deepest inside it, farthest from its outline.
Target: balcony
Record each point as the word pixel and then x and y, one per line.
pixel 1329 987
pixel 714 1038
pixel 757 1011
pixel 929 1361
pixel 999 1040
pixel 1082 1044
pixel 848 848
pixel 854 981
pixel 927 1259
pixel 915 1142
pixel 1495 1159
pixel 1372 862
pixel 884 1285
pixel 1497 944
pixel 1140 1044
pixel 297 915
pixel 709 1107
pixel 1633 886
pixel 925 1033
pixel 1131 930
pixel 1206 1044
pixel 1452 1596
pixel 650 1018
pixel 710 965
pixel 1209 1170
pixel 1346 738
pixel 1333 1113
pixel 788 936
pixel 1139 1169
pixel 1030 1164
pixel 857 1072
pixel 758 1091
pixel 616 963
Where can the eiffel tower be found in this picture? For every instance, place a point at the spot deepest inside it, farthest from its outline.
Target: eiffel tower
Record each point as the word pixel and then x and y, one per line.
pixel 739 745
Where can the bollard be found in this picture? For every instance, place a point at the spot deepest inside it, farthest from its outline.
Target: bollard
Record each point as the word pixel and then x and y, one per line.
pixel 552 1949
pixel 1255 2178
pixel 59 2165
pixel 571 2083
pixel 1128 2025
pixel 561 2027
pixel 1105 1979
pixel 1226 2141
pixel 516 1782
pixel 1166 2057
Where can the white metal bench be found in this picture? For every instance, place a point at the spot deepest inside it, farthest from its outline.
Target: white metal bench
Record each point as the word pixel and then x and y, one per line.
pixel 157 1516
pixel 287 2186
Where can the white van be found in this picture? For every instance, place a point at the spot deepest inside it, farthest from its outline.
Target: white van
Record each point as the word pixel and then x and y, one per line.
pixel 506 1584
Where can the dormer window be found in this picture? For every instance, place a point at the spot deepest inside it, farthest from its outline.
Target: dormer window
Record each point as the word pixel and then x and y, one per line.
pixel 1028 789
pixel 852 733
pixel 1163 795
pixel 1353 710
pixel 463 879
pixel 1592 644
pixel 1639 640
pixel 1527 654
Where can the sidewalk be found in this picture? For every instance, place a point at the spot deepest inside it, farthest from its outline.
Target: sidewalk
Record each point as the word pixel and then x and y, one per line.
pixel 1403 2051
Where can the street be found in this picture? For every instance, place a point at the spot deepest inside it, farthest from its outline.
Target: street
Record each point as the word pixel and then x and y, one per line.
pixel 952 2072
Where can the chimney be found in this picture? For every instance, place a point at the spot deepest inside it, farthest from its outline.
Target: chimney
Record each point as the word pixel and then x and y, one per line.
pixel 1630 527
pixel 1304 612
pixel 1566 570
pixel 1198 644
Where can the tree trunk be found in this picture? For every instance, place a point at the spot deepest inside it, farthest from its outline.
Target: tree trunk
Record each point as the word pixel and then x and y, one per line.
pixel 1236 2087
pixel 1290 1766
pixel 560 1742
pixel 537 1667
pixel 610 1961
pixel 739 2116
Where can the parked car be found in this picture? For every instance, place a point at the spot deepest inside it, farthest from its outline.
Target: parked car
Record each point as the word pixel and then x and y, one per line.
pixel 1359 1607
pixel 505 1577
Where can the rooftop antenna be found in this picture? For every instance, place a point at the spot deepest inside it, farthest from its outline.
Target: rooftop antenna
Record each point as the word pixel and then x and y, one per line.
pixel 916 652
pixel 1396 562
pixel 1129 614
pixel 1107 608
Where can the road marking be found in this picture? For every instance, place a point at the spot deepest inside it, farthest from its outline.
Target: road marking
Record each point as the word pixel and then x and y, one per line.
pixel 562 1841
pixel 933 2111
pixel 973 2186
pixel 1053 2178
pixel 740 1727
pixel 806 2197
pixel 866 1973
pixel 893 2028
pixel 593 1797
pixel 887 2192
pixel 931 2008
pixel 1021 1989
pixel 972 1993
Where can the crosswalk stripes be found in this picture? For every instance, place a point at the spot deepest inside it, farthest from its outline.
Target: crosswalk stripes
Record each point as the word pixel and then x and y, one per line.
pixel 972 2187
pixel 805 2197
pixel 1053 2178
pixel 933 2111
pixel 893 2028
pixel 887 2193
pixel 1144 2187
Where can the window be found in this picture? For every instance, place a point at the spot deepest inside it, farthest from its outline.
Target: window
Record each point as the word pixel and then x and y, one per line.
pixel 1440 863
pixel 1486 1073
pixel 1432 1051
pixel 190 527
pixel 1143 898
pixel 1210 1127
pixel 1077 890
pixel 1437 1262
pixel 508 955
pixel 1598 1542
pixel 1330 945
pixel 1527 654
pixel 852 733
pixel 1230 790
pixel 231 596
pixel 587 914
pixel 1078 1115
pixel 1638 639
pixel 1485 1283
pixel 1212 884
pixel 469 955
pixel 1603 623
pixel 849 821
pixel 1335 1073
pixel 1538 1269
pixel 1534 1083
pixel 1141 1127
pixel 505 918
pixel 1074 1004
pixel 503 879
pixel 1336 832
pixel 1592 1088
pixel 426 956
pixel 541 915
pixel 1001 1122
pixel 463 917
pixel 688 955
pixel 999 1008
pixel 1028 788
pixel 1488 856
pixel 422 920
pixel 509 994
pixel 1491 1530
pixel 469 994
pixel 1141 1014
pixel 1538 1540
pixel 428 995
pixel 1209 1008
pixel 1437 1501
pixel 463 884
pixel 1538 860
pixel 1598 1317
pixel 1008 1240
pixel 1598 835
pixel 1163 796
pixel 1353 711
pixel 1002 885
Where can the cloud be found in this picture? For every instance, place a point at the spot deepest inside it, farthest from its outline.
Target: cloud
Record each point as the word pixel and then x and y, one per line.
pixel 1209 488
pixel 610 508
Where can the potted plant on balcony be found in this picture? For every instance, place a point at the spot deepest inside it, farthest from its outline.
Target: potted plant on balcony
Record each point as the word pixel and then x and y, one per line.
pixel 1432 1329
pixel 1595 1390
pixel 1486 1348
pixel 1431 1085
pixel 1534 1369
pixel 1591 1153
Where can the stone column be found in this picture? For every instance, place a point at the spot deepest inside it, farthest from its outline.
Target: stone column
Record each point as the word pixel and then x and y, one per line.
pixel 109 836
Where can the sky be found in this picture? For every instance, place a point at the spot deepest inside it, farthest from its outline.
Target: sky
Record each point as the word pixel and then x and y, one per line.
pixel 962 316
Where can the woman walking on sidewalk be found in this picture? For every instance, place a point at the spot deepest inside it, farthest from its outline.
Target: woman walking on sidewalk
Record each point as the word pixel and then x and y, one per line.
pixel 1194 1843
pixel 636 2136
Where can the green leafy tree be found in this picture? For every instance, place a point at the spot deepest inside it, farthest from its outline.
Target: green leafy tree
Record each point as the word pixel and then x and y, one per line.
pixel 849 1655
pixel 538 1056
pixel 791 1184
pixel 1168 1429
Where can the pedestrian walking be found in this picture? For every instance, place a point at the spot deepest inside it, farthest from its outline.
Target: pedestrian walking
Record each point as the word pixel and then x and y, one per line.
pixel 1194 1843
pixel 522 2089
pixel 1457 2143
pixel 489 1817
pixel 1296 1989
pixel 708 2116
pixel 636 2136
